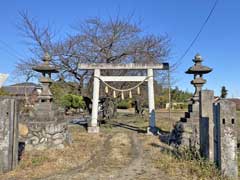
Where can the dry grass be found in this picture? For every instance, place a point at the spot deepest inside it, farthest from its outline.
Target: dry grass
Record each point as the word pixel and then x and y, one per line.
pixel 117 154
pixel 38 164
pixel 164 158
pixel 120 146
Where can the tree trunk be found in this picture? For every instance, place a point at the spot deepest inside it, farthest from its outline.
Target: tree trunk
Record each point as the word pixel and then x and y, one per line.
pixel 80 86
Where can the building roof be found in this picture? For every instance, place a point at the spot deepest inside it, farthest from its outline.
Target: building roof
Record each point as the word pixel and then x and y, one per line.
pixel 21 89
pixel 25 84
pixel 237 101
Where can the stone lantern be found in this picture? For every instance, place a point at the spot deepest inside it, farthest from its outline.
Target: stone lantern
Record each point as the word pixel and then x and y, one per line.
pixel 45 123
pixel 186 132
pixel 46 69
pixel 198 70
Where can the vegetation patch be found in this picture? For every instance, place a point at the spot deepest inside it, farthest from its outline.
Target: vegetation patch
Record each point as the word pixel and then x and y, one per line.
pixel 166 160
pixel 40 164
pixel 124 104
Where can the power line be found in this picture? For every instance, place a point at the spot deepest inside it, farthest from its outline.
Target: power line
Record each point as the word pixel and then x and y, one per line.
pixel 7 51
pixel 17 54
pixel 199 32
pixel 10 50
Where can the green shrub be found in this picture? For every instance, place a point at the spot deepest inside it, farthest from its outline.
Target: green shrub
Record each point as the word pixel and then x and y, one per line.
pixel 181 106
pixel 66 101
pixel 77 102
pixel 72 101
pixel 124 104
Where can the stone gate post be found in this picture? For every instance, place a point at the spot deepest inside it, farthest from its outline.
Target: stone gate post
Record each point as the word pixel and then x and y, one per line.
pixel 226 137
pixel 206 124
pixel 8 134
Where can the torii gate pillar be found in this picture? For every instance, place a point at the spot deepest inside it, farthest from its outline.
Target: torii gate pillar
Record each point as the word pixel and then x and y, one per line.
pixel 93 124
pixel 151 105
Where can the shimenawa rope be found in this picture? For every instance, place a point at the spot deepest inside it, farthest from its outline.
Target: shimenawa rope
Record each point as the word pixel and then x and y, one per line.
pixel 123 90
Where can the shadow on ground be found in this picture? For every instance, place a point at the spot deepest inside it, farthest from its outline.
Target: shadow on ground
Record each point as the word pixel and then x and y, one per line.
pixel 129 127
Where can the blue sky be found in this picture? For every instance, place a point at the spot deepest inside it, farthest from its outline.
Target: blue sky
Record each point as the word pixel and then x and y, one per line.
pixel 219 43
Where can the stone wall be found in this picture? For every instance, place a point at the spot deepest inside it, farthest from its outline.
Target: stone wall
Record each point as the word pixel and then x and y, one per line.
pixel 43 135
pixel 43 127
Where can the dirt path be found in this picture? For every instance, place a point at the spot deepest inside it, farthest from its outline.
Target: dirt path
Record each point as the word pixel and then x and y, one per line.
pixel 101 165
pixel 141 166
pixel 120 158
pixel 134 168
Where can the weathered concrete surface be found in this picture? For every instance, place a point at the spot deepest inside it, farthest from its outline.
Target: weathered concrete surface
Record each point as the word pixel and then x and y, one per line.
pixel 8 134
pixel 163 66
pixel 151 102
pixel 226 138
pixel 206 124
pixel 123 78
pixel 93 129
pixel 96 84
pixel 186 131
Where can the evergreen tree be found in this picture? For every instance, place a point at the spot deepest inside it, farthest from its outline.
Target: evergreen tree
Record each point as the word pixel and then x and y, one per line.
pixel 224 92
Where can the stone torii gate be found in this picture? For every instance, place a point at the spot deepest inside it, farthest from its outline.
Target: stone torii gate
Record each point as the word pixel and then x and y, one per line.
pixel 97 67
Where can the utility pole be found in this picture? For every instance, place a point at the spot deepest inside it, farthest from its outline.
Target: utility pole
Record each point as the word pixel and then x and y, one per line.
pixel 169 95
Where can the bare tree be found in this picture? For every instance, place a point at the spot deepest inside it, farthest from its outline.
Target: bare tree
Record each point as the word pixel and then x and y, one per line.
pixel 94 41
